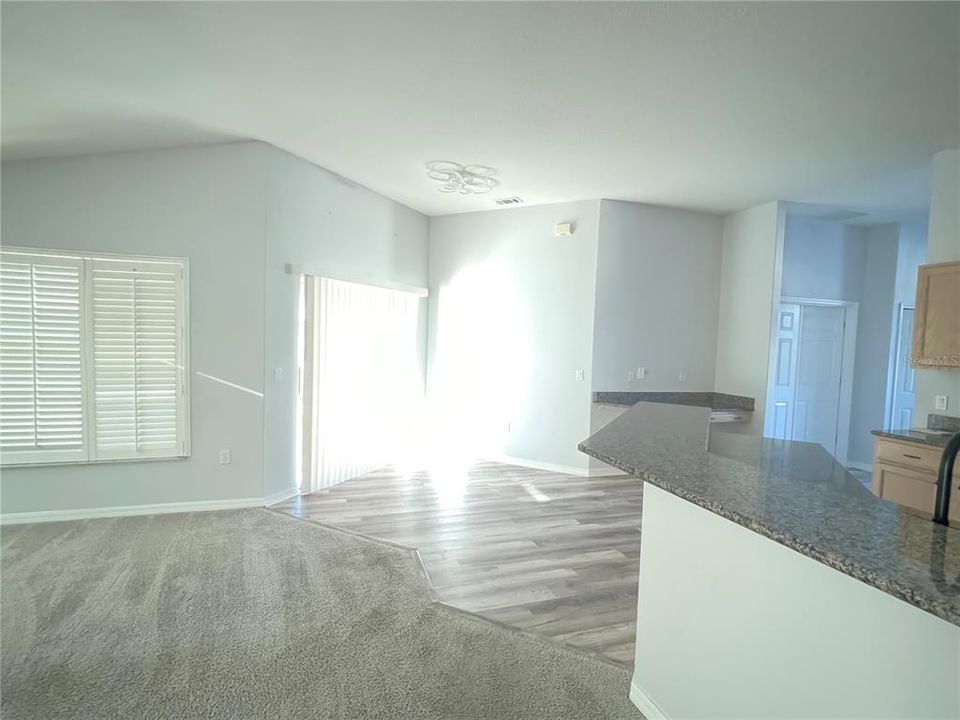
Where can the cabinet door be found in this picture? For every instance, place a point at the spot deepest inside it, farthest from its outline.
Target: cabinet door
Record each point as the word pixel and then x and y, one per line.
pixel 914 489
pixel 936 328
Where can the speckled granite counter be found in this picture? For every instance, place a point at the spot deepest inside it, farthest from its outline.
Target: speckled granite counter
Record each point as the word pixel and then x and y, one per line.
pixel 924 437
pixel 712 400
pixel 791 492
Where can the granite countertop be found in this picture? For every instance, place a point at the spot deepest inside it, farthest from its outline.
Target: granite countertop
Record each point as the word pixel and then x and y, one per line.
pixel 712 400
pixel 936 438
pixel 794 493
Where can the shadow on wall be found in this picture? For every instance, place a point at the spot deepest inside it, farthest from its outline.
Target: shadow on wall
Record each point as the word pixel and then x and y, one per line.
pixel 482 363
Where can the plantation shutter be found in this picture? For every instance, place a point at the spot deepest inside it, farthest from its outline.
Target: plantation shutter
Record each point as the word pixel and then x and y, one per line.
pixel 41 358
pixel 137 358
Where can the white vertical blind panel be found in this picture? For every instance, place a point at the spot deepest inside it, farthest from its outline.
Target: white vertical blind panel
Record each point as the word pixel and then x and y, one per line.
pixel 137 358
pixel 41 395
pixel 368 385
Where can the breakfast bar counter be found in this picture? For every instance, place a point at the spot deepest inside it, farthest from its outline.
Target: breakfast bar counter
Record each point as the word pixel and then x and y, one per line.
pixel 776 582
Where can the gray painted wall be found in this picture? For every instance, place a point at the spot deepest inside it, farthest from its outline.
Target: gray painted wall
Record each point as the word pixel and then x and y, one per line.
pixel 823 260
pixel 205 204
pixel 874 340
pixel 943 245
pixel 511 321
pixel 874 267
pixel 239 212
pixel 749 282
pixel 326 225
pixel 658 284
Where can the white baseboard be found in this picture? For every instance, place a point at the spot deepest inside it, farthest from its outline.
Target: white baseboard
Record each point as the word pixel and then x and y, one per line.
pixel 866 467
pixel 278 497
pixel 125 510
pixel 537 465
pixel 606 471
pixel 645 704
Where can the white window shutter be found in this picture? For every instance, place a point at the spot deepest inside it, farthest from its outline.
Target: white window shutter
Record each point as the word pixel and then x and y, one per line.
pixel 41 358
pixel 138 359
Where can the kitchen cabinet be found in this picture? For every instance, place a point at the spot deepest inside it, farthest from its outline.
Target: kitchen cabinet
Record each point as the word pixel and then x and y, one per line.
pixel 936 328
pixel 905 472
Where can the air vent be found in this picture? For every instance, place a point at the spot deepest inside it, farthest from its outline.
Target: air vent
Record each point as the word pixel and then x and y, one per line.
pixel 509 201
pixel 842 216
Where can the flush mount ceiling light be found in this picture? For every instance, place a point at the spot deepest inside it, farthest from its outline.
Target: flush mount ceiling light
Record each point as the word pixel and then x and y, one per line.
pixel 464 179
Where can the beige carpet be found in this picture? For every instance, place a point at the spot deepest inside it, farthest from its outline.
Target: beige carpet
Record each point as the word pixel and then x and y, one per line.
pixel 251 614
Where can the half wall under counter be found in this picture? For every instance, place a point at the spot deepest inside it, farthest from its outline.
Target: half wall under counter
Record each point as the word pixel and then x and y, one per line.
pixel 773 584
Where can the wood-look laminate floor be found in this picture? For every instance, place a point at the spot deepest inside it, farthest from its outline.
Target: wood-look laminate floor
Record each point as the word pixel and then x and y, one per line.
pixel 548 553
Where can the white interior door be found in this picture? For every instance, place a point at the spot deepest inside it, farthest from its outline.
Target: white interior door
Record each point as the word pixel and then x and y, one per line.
pixel 904 393
pixel 819 367
pixel 784 388
pixel 805 386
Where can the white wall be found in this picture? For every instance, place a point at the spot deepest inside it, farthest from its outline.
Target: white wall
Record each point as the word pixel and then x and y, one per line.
pixel 658 283
pixel 875 327
pixel 911 253
pixel 511 321
pixel 205 204
pixel 943 245
pixel 749 282
pixel 822 260
pixel 326 225
pixel 731 624
pixel 239 212
pixel 874 267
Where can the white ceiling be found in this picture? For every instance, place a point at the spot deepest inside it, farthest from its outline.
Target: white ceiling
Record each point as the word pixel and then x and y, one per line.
pixel 711 106
pixel 902 196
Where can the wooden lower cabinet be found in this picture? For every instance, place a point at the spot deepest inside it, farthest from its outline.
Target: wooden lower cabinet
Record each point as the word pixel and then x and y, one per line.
pixel 906 473
pixel 905 487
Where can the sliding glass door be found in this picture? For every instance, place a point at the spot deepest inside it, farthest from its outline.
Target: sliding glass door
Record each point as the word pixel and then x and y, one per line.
pixel 362 379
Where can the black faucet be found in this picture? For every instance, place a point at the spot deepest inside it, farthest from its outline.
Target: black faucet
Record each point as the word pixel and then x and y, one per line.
pixel 941 509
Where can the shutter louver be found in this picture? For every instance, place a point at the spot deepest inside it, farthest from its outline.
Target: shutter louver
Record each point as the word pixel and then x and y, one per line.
pixel 41 368
pixel 136 348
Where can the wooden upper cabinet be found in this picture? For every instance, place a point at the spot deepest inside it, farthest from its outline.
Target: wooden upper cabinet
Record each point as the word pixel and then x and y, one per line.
pixel 936 327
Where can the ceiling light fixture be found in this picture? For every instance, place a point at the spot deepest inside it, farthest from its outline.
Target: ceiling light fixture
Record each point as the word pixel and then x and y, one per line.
pixel 462 179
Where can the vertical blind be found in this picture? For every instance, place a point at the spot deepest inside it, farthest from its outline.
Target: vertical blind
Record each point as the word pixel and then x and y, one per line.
pixel 92 358
pixel 363 384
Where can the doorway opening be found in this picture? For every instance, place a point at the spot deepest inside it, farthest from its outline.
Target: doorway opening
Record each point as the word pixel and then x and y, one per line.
pixel 903 399
pixel 361 379
pixel 811 383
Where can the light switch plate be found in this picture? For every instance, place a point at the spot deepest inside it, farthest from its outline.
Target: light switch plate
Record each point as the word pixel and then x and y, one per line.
pixel 579 375
pixel 225 457
pixel 940 402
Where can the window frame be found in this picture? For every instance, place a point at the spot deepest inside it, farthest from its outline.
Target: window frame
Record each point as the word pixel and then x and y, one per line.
pixel 39 458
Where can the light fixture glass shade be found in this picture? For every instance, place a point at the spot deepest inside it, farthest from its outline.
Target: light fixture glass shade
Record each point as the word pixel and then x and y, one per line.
pixel 463 179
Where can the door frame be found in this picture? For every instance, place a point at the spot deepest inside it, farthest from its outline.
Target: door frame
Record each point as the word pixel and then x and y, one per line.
pixel 893 370
pixel 848 357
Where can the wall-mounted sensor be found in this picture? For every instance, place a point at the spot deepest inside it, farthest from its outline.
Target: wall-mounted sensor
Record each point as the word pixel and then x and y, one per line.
pixel 563 229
